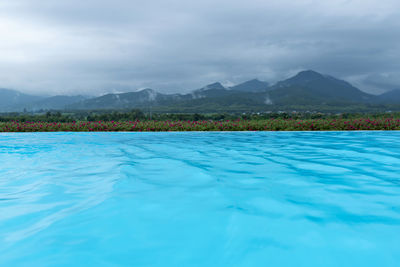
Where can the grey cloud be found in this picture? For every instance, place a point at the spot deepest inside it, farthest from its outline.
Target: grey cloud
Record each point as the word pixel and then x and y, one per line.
pixel 92 47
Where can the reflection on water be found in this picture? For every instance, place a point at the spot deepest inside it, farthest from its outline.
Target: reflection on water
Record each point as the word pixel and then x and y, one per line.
pixel 200 199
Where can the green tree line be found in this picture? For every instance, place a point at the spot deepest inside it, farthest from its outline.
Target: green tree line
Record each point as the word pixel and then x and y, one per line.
pixel 137 114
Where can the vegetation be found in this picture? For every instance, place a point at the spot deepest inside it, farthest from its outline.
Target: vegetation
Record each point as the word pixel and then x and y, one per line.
pixel 136 114
pixel 136 120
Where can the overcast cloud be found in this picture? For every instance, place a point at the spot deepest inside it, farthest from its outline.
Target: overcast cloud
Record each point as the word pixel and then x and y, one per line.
pixel 97 46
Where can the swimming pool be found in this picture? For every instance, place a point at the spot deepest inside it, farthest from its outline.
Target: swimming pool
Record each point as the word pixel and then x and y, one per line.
pixel 200 199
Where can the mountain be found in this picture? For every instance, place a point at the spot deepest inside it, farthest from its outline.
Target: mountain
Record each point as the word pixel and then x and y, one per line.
pixel 390 97
pixel 208 98
pixel 141 98
pixel 11 100
pixel 58 102
pixel 215 97
pixel 307 90
pixel 149 97
pixel 251 86
pixel 310 87
pixel 211 90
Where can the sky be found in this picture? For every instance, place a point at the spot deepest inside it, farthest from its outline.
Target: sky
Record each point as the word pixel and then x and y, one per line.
pixel 93 47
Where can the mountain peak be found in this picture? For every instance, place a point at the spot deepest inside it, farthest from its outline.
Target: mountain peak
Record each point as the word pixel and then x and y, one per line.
pixel 216 85
pixel 309 74
pixel 311 85
pixel 212 86
pixel 253 85
pixel 146 90
pixel 253 81
pixel 211 90
pixel 302 77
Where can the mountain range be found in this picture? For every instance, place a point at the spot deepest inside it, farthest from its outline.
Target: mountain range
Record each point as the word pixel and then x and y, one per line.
pixel 305 88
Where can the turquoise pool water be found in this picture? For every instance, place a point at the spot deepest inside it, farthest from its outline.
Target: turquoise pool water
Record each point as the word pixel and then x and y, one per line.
pixel 200 199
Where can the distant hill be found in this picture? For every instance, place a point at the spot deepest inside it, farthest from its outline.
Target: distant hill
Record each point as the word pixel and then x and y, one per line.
pixel 390 97
pixel 54 103
pixel 251 86
pixel 149 97
pixel 141 98
pixel 231 101
pixel 209 97
pixel 211 90
pixel 11 100
pixel 310 87
pixel 213 97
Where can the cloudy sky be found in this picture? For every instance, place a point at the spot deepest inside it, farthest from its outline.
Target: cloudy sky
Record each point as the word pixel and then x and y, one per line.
pixel 97 46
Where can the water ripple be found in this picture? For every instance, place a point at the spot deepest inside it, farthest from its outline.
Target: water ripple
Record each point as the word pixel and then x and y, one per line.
pixel 208 199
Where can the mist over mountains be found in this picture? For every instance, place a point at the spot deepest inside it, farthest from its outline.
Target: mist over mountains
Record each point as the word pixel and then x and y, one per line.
pixel 304 89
